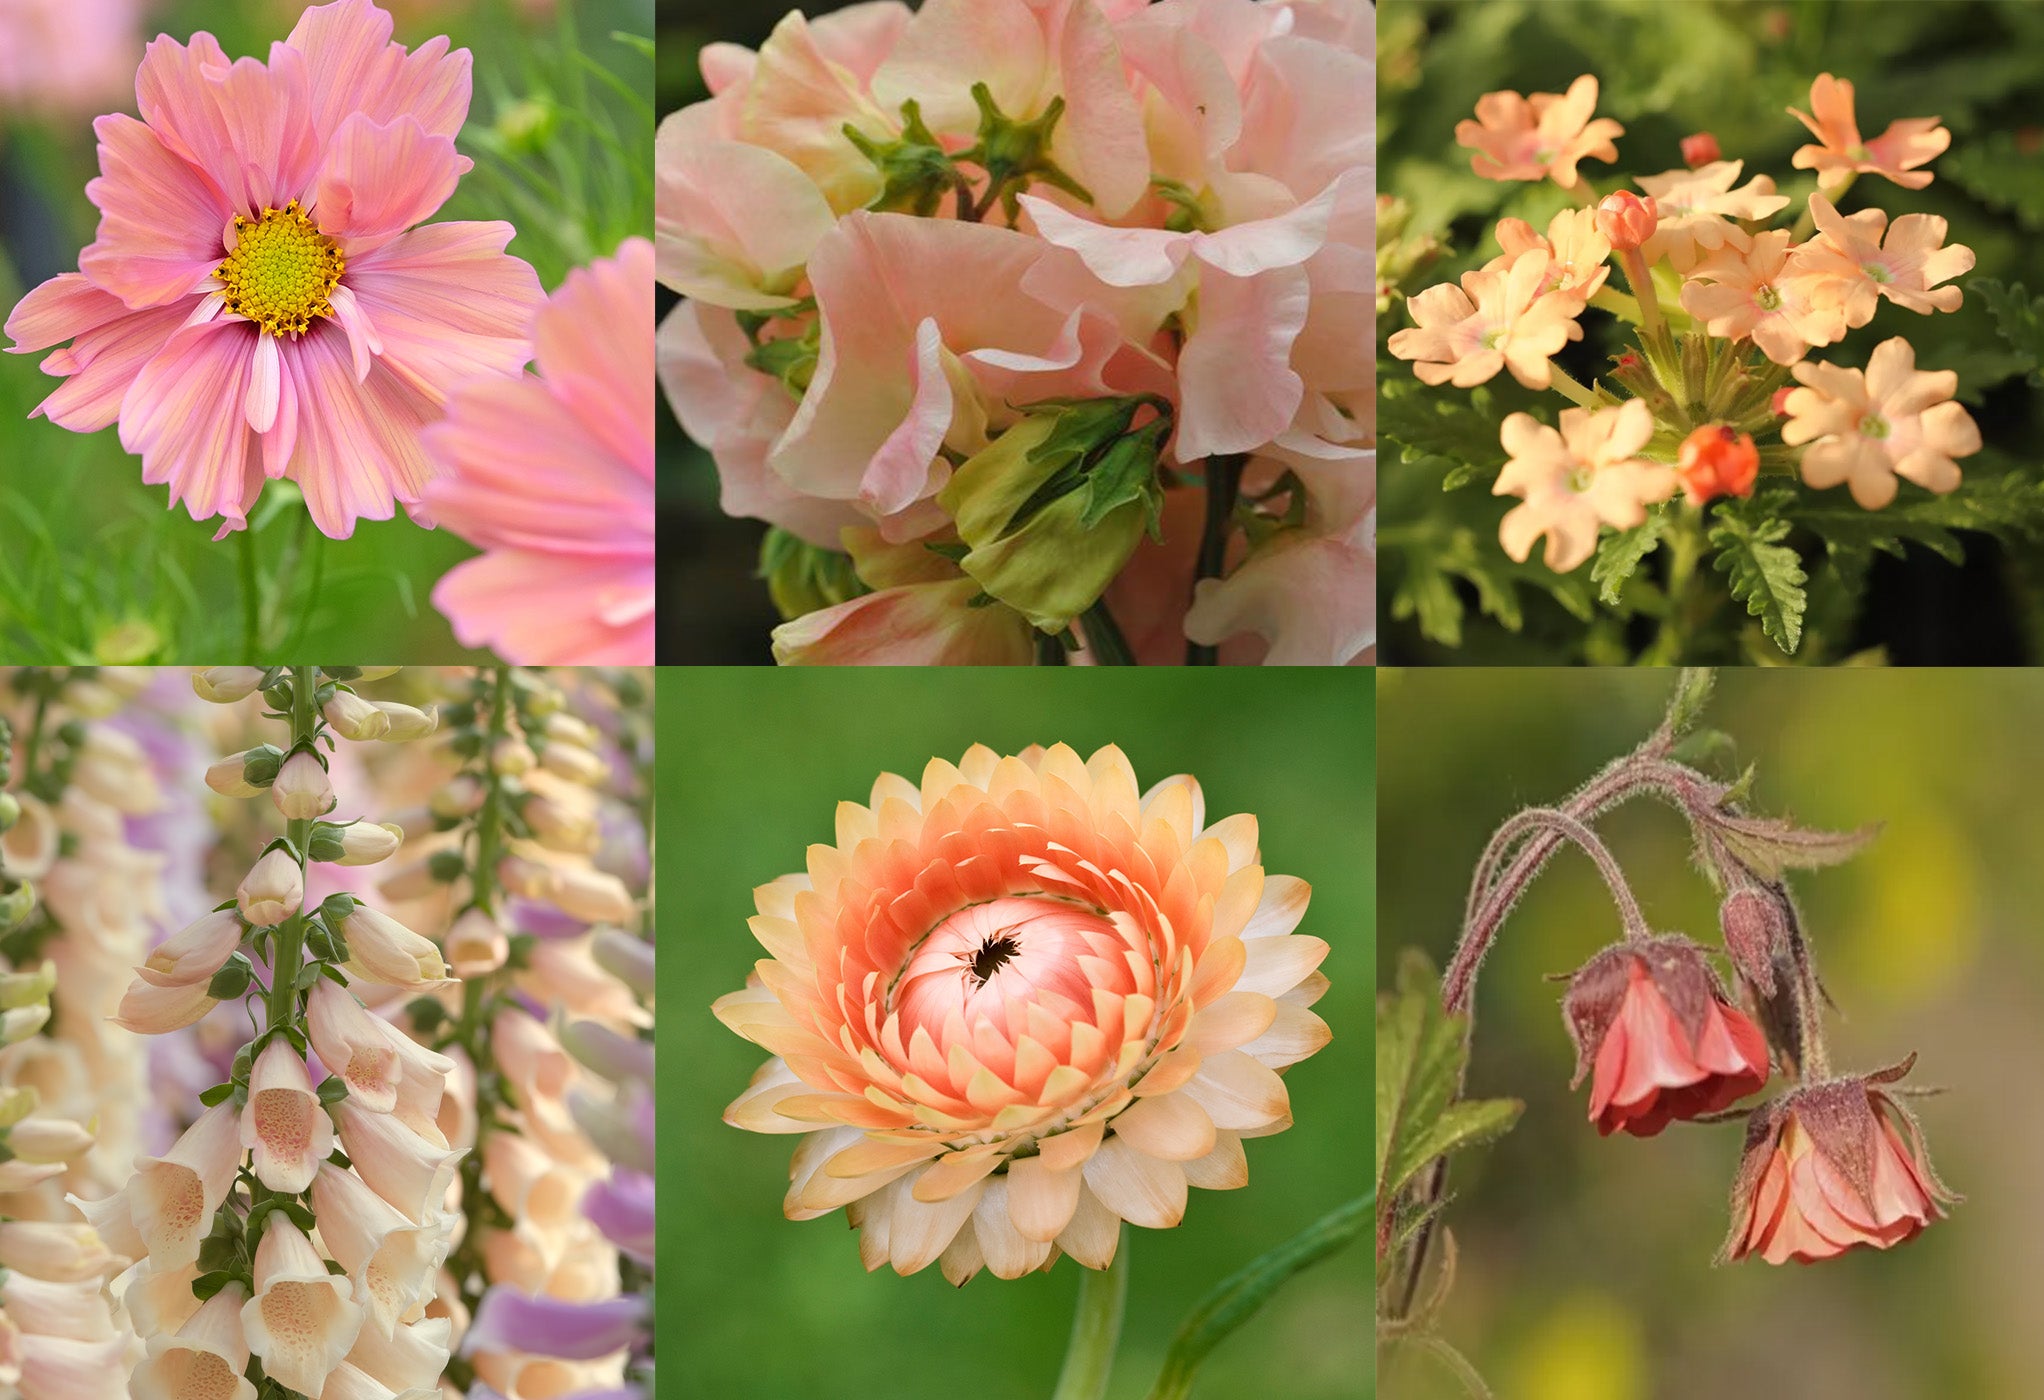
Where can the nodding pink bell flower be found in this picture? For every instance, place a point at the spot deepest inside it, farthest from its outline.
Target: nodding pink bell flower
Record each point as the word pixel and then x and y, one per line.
pixel 62 1253
pixel 284 1124
pixel 407 1169
pixel 1700 149
pixel 157 1003
pixel 302 1320
pixel 530 1185
pixel 160 1301
pixel 302 790
pixel 205 1356
pixel 271 892
pixel 1626 220
pixel 223 685
pixel 380 949
pixel 1664 1040
pixel 411 1358
pixel 199 950
pixel 393 1261
pixel 366 843
pixel 421 1087
pixel 407 721
pixel 168 1205
pixel 355 1044
pixel 476 944
pixel 1831 1167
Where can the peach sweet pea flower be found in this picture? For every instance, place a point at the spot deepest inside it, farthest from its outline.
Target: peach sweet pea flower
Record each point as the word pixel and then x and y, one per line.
pixel 1571 482
pixel 1760 292
pixel 1868 428
pixel 1826 1169
pixel 1578 255
pixel 1698 207
pixel 1520 138
pixel 1859 258
pixel 1840 153
pixel 552 475
pixel 1499 318
pixel 1665 1040
pixel 1018 1004
pixel 253 305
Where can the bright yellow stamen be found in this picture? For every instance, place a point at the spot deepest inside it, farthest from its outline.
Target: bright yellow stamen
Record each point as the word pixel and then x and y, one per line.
pixel 282 270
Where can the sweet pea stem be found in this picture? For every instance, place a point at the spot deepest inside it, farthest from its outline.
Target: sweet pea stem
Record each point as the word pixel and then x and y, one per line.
pixel 1224 485
pixel 1096 1329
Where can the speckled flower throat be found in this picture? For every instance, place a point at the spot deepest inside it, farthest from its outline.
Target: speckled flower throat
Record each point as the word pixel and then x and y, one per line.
pixel 281 271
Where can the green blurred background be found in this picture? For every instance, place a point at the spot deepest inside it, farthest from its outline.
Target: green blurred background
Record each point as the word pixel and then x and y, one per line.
pixel 1667 68
pixel 753 766
pixel 1585 1262
pixel 92 565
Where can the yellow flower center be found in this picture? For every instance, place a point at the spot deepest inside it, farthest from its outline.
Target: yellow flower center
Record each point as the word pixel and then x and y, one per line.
pixel 1768 299
pixel 1579 480
pixel 1872 427
pixel 282 270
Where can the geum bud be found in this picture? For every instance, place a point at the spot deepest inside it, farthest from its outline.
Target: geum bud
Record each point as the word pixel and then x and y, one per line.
pixel 1052 509
pixel 1830 1167
pixel 1650 1016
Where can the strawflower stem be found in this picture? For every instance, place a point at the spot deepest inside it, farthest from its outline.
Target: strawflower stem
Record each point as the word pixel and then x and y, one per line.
pixel 1096 1329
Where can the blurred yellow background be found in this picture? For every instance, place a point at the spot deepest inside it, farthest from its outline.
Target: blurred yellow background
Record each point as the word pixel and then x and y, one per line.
pixel 1585 1262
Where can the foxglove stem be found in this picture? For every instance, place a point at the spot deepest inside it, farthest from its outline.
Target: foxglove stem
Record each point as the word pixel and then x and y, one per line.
pixel 287 952
pixel 1096 1329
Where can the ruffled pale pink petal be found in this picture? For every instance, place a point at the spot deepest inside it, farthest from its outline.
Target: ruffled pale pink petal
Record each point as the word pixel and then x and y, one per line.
pixel 109 346
pixel 358 450
pixel 733 223
pixel 377 180
pixel 449 304
pixel 920 624
pixel 161 218
pixel 547 609
pixel 1238 388
pixel 353 67
pixel 246 125
pixel 183 416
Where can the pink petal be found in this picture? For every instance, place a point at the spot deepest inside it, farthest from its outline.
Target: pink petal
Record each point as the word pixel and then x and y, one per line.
pixel 161 218
pixel 263 375
pixel 550 609
pixel 448 303
pixel 379 180
pixel 1238 390
pixel 1120 257
pixel 53 312
pixel 358 450
pixel 102 362
pixel 900 472
pixel 245 125
pixel 355 68
pixel 183 416
pixel 731 216
pixel 363 342
pixel 594 345
pixel 919 624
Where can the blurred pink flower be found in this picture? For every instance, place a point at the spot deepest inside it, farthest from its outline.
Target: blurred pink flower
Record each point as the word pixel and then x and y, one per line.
pixel 253 305
pixel 66 55
pixel 552 475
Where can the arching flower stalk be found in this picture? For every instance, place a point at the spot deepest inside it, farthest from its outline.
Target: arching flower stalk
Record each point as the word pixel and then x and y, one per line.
pixel 288 1242
pixel 58 1338
pixel 511 868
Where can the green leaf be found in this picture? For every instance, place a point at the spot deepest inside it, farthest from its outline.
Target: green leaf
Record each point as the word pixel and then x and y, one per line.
pixel 218 1094
pixel 1619 555
pixel 332 1089
pixel 1455 433
pixel 1421 1052
pixel 2018 317
pixel 1686 703
pixel 1991 168
pixel 208 1284
pixel 1766 575
pixel 232 979
pixel 1237 1298
pixel 1772 846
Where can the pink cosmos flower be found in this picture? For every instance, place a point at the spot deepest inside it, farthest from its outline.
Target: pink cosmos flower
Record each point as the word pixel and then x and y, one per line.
pixel 1574 481
pixel 1697 209
pixel 1520 138
pixel 1840 154
pixel 257 303
pixel 1499 318
pixel 1859 258
pixel 1868 428
pixel 552 475
pixel 1754 291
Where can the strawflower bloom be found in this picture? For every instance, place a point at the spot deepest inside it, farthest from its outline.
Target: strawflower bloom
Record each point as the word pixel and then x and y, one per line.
pixel 1758 289
pixel 1866 428
pixel 257 303
pixel 1698 210
pixel 1574 481
pixel 1828 1168
pixel 1664 1041
pixel 1499 318
pixel 1859 258
pixel 1840 154
pixel 1541 137
pixel 552 476
pixel 1019 1003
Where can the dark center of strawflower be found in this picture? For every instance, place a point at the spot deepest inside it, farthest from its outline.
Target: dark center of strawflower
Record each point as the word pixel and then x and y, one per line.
pixel 992 956
pixel 282 270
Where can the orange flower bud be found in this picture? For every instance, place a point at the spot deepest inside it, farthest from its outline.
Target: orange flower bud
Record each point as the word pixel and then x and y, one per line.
pixel 1717 460
pixel 1700 149
pixel 1626 220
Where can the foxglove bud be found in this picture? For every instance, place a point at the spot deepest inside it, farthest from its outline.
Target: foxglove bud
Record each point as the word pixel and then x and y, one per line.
pixel 1717 460
pixel 461 796
pixel 1626 220
pixel 1700 149
pixel 355 718
pixel 575 763
pixel 476 945
pixel 246 773
pixel 406 722
pixel 357 843
pixel 224 685
pixel 302 790
pixel 1830 1167
pixel 1650 1016
pixel 272 892
pixel 512 755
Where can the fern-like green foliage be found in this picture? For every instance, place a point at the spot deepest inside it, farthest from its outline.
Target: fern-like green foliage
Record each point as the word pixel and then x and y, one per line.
pixel 1765 574
pixel 2019 317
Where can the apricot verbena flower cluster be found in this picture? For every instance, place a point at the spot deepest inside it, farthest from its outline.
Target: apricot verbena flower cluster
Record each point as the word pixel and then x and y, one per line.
pixel 1018 1004
pixel 981 295
pixel 1745 303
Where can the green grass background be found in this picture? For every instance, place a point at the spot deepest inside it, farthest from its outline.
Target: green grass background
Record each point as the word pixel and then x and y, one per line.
pixel 753 765
pixel 1585 1262
pixel 92 564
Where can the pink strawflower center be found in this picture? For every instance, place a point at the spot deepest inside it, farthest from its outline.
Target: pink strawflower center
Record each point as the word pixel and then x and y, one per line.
pixel 988 962
pixel 281 270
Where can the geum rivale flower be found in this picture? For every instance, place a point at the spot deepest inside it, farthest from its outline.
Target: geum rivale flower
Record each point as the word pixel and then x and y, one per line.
pixel 256 303
pixel 1020 1003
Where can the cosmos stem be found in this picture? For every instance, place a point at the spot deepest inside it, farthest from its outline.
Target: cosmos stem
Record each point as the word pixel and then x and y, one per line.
pixel 1096 1328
